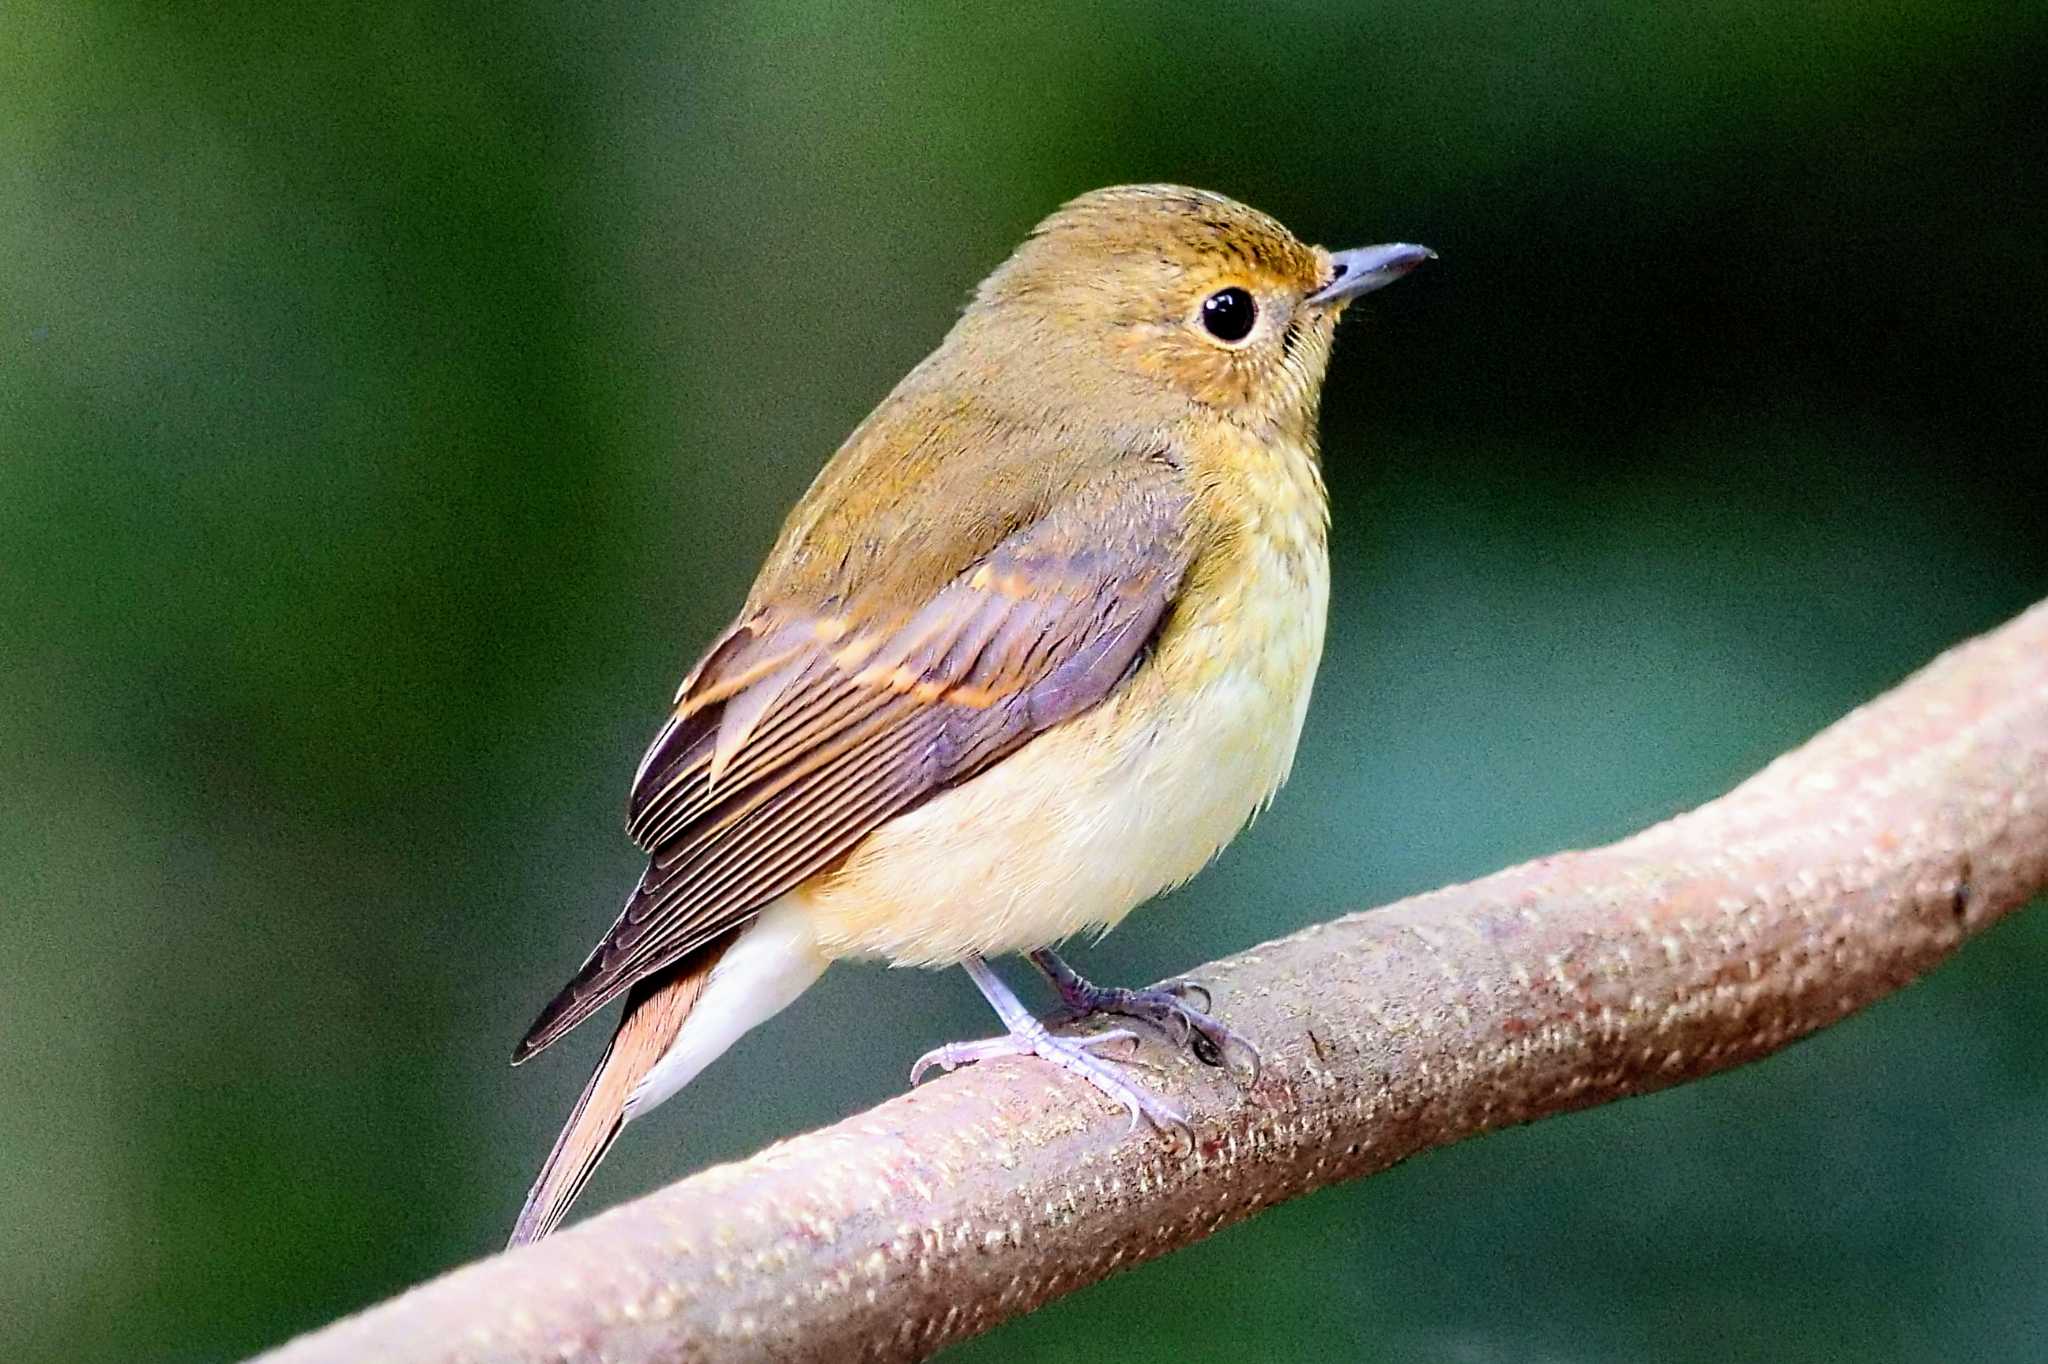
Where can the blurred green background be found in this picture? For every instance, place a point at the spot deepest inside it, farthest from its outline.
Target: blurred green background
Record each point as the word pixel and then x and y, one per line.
pixel 394 398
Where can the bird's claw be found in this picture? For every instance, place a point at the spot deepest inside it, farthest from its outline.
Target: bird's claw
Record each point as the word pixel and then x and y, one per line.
pixel 1167 1005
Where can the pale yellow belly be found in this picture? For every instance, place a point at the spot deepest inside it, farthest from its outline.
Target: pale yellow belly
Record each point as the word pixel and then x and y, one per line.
pixel 1091 819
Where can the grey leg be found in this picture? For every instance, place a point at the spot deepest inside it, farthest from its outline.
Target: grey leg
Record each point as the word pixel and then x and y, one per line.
pixel 1028 1037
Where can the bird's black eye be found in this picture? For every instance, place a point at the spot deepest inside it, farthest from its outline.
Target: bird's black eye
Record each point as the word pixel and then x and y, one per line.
pixel 1228 314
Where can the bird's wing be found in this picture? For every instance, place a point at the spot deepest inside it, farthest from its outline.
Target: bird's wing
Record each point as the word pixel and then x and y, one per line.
pixel 806 728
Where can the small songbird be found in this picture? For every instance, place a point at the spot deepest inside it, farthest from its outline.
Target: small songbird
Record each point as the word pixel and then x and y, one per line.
pixel 1033 647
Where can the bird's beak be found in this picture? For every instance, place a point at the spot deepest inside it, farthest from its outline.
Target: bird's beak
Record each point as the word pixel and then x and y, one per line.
pixel 1367 268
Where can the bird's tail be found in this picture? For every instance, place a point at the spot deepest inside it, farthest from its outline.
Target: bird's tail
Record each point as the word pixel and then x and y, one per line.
pixel 676 1023
pixel 656 1010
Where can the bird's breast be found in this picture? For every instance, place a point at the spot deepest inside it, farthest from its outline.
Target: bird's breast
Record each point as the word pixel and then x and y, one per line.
pixel 1104 811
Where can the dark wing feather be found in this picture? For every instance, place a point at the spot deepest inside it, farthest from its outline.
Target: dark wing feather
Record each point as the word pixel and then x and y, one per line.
pixel 800 734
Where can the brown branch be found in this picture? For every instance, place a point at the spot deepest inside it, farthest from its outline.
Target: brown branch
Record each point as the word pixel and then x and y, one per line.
pixel 1832 878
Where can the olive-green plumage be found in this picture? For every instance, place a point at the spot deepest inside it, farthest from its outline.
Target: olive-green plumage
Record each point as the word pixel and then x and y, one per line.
pixel 1033 646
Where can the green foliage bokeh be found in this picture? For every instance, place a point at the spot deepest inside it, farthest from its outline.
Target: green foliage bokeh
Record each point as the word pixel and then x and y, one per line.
pixel 394 398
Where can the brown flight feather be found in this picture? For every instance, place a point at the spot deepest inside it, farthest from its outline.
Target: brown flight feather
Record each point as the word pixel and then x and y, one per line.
pixel 655 1011
pixel 742 797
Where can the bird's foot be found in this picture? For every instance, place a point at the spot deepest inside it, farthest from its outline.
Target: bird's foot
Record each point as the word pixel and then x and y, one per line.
pixel 1168 1006
pixel 1029 1037
pixel 1073 1054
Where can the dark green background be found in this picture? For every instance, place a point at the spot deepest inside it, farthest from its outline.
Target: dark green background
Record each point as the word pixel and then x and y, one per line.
pixel 393 399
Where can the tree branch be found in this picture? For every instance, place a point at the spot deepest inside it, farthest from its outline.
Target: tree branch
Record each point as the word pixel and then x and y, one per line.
pixel 1835 876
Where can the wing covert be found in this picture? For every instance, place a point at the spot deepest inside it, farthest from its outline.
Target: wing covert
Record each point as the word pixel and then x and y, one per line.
pixel 806 727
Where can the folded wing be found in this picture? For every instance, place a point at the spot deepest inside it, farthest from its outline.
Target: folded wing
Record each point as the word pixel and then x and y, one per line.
pixel 810 724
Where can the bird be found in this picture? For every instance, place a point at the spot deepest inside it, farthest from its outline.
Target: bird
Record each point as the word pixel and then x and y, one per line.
pixel 1037 642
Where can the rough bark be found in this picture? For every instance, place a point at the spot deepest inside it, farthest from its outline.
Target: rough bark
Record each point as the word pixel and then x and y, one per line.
pixel 1835 876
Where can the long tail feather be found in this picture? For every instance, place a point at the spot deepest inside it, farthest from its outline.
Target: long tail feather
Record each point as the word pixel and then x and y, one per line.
pixel 677 1022
pixel 655 1012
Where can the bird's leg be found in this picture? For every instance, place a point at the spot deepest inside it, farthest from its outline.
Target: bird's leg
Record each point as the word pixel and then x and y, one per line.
pixel 1212 1042
pixel 1028 1037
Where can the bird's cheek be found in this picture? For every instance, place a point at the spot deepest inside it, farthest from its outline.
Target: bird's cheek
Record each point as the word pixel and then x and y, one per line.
pixel 1205 373
pixel 1223 378
pixel 1147 348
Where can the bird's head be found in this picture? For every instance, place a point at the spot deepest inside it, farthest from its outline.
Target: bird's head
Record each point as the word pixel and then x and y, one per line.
pixel 1184 293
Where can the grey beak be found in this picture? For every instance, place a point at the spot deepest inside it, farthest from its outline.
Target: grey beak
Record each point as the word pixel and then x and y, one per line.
pixel 1368 268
